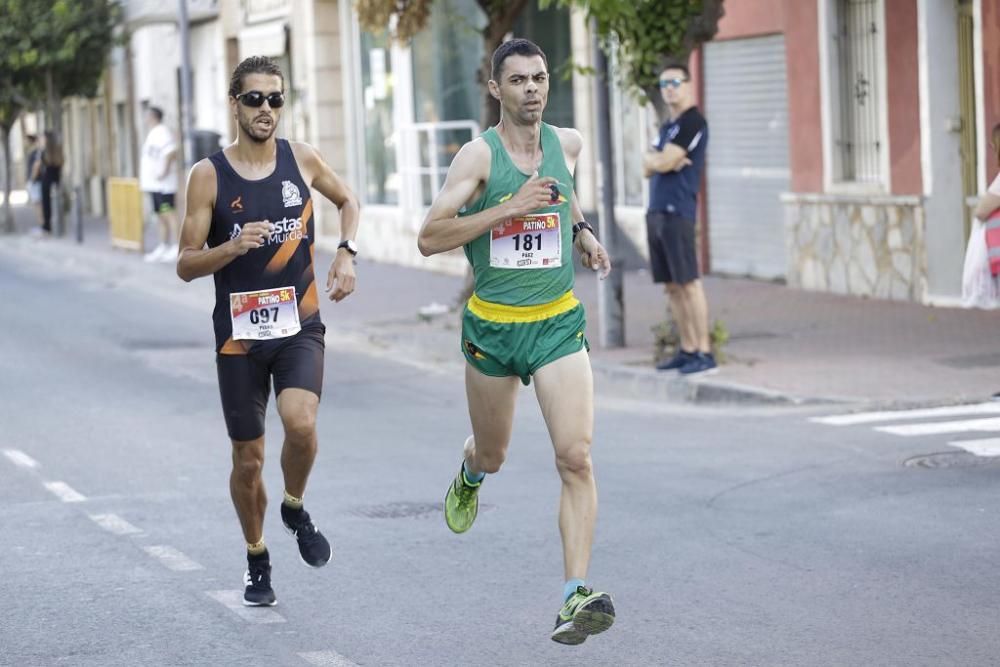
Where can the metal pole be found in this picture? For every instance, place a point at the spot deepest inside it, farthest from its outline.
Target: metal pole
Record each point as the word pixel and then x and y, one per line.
pixel 78 212
pixel 186 120
pixel 610 301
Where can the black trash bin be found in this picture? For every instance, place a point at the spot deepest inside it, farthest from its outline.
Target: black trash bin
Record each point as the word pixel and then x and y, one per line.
pixel 204 143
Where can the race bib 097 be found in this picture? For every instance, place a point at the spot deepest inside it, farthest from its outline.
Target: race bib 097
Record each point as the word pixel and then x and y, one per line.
pixel 266 314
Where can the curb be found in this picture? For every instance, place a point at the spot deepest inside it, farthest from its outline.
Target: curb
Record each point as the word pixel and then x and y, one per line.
pixel 645 384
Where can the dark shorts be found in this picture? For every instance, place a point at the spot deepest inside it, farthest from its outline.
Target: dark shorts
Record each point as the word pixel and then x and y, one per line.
pixel 163 202
pixel 245 379
pixel 501 341
pixel 672 254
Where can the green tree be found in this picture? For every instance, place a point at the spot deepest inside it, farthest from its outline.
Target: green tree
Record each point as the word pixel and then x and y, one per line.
pixel 410 17
pixel 52 49
pixel 647 35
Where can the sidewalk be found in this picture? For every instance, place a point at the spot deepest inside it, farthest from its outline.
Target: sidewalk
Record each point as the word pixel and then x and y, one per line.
pixel 786 346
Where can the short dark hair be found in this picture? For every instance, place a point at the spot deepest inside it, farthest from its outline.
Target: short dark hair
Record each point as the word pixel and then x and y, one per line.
pixel 253 65
pixel 682 67
pixel 157 112
pixel 514 47
pixel 32 138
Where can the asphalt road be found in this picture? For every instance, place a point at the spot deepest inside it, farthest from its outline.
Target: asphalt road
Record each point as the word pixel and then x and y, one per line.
pixel 727 536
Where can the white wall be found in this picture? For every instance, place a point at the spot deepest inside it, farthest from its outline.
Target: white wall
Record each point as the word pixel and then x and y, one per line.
pixel 939 114
pixel 210 80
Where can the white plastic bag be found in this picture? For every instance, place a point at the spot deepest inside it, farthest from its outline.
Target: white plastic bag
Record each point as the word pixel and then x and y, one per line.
pixel 979 288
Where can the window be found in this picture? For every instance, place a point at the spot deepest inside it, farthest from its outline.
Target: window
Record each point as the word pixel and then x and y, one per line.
pixel 632 132
pixel 381 180
pixel 549 28
pixel 857 102
pixel 447 96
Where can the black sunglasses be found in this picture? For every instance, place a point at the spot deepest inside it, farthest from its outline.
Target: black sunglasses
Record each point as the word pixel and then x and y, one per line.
pixel 255 98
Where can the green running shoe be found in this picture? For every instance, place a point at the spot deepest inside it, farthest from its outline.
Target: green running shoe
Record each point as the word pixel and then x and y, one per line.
pixel 461 504
pixel 585 613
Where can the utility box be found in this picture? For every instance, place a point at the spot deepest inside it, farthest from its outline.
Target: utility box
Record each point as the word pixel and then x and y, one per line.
pixel 125 213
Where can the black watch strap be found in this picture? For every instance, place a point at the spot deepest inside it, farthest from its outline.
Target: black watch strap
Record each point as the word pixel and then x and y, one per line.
pixel 580 226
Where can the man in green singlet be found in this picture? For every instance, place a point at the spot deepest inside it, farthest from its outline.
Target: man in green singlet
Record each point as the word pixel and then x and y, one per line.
pixel 509 200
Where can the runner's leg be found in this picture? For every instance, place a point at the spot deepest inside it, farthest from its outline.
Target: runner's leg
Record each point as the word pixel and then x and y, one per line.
pixel 247 487
pixel 491 409
pixel 565 396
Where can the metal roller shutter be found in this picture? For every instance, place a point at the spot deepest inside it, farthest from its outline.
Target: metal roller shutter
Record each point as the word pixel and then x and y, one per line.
pixel 746 106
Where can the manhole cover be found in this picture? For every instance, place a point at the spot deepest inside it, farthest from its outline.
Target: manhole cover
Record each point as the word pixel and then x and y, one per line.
pixel 404 510
pixel 949 460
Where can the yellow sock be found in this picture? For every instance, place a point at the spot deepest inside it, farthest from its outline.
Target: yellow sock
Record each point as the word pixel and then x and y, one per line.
pixel 257 548
pixel 292 501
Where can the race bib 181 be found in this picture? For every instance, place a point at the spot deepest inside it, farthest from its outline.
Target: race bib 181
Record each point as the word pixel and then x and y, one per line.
pixel 266 314
pixel 532 241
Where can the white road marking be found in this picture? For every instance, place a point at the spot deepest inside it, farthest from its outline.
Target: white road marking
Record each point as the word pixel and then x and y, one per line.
pixel 327 659
pixel 984 447
pixel 20 459
pixel 65 492
pixel 992 407
pixel 233 600
pixel 114 524
pixel 934 428
pixel 172 559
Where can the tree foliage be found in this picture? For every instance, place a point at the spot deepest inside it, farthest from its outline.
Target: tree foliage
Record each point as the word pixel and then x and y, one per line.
pixel 405 18
pixel 647 35
pixel 54 48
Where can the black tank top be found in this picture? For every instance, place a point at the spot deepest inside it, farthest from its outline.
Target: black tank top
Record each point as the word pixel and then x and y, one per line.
pixel 285 260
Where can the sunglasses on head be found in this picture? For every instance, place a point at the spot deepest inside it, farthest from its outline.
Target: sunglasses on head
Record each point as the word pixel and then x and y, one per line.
pixel 671 83
pixel 255 98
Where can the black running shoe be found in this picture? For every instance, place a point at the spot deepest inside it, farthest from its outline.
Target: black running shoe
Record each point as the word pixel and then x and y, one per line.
pixel 313 547
pixel 257 579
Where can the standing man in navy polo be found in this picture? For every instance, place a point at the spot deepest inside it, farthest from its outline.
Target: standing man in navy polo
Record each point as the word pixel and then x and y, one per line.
pixel 674 166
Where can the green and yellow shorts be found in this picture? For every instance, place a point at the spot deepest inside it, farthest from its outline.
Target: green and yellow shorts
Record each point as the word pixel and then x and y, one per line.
pixel 500 340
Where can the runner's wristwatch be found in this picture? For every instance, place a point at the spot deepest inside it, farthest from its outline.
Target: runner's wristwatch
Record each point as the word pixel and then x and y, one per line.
pixel 350 246
pixel 580 226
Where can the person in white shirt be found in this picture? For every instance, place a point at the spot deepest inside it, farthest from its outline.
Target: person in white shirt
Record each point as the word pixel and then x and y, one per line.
pixel 158 177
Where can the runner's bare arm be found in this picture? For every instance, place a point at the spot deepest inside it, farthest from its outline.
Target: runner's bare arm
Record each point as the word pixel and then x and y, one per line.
pixel 340 279
pixel 194 260
pixel 443 231
pixel 320 177
pixel 592 253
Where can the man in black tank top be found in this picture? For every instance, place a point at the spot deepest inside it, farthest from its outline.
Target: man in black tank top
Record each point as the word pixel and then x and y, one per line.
pixel 250 204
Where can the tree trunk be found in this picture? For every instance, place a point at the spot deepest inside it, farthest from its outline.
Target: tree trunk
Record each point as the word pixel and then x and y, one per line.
pixel 8 213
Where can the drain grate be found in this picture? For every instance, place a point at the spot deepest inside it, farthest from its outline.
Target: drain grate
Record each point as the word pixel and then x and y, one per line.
pixel 950 460
pixel 404 510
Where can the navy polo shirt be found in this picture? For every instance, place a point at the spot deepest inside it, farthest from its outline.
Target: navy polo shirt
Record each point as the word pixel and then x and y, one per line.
pixel 677 191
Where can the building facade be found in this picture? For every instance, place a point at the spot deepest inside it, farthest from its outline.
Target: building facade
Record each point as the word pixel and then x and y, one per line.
pixel 848 136
pixel 877 115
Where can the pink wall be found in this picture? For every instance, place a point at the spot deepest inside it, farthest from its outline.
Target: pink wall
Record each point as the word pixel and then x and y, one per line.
pixel 750 18
pixel 805 144
pixel 904 96
pixel 991 78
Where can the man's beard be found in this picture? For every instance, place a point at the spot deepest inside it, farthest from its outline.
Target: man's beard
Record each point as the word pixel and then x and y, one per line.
pixel 248 130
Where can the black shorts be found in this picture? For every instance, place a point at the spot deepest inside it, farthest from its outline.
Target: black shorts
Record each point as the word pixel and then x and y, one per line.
pixel 672 254
pixel 163 202
pixel 245 379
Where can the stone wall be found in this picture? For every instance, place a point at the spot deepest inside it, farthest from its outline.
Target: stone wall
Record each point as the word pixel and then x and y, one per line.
pixel 857 244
